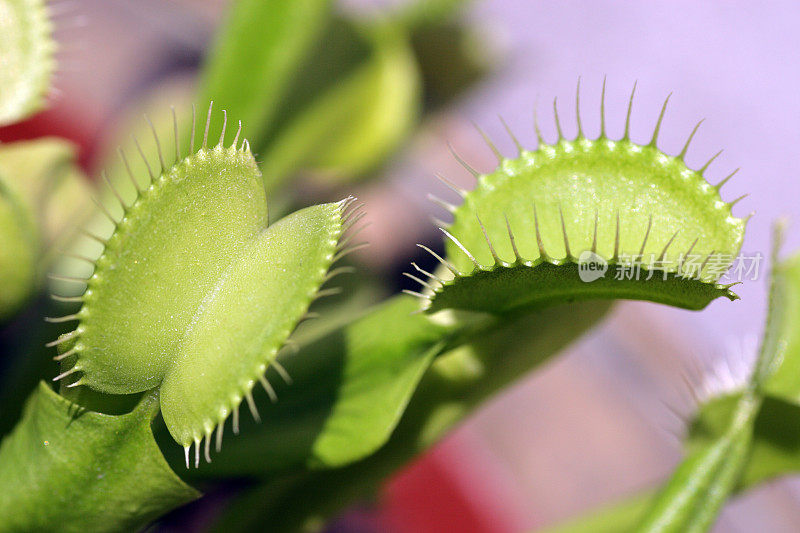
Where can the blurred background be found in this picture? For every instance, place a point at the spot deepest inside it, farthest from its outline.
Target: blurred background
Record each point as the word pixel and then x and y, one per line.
pixel 606 418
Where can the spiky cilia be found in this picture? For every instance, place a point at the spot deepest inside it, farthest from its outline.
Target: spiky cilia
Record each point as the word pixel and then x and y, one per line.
pixel 654 228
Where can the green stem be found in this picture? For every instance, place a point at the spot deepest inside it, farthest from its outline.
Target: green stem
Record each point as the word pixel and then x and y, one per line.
pixel 702 483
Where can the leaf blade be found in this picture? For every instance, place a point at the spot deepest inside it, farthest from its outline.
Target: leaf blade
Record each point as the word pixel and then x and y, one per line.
pixel 349 389
pixel 254 57
pixel 246 318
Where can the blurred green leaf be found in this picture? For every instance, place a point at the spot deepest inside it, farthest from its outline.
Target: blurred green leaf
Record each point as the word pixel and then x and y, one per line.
pixel 359 92
pixel 27 47
pixel 340 48
pixel 352 95
pixel 452 58
pixel 378 380
pixel 779 375
pixel 389 89
pixel 19 250
pixel 776 442
pixel 453 52
pixel 44 174
pixel 346 123
pixel 775 452
pixel 33 166
pixel 67 469
pixel 41 193
pixel 52 195
pixel 254 57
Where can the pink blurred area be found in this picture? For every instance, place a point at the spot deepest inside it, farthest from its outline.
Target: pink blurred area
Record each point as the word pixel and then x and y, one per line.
pixel 597 423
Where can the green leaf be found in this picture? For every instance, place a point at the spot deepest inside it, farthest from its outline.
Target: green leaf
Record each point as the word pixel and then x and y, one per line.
pixel 340 49
pixel 776 444
pixel 177 239
pixel 521 238
pixel 348 390
pixel 775 452
pixel 244 320
pixel 18 253
pixel 67 469
pixel 776 440
pixel 236 288
pixel 44 173
pixel 727 431
pixel 380 376
pixel 779 373
pixel 351 96
pixel 255 56
pixel 387 91
pixel 346 128
pixel 27 47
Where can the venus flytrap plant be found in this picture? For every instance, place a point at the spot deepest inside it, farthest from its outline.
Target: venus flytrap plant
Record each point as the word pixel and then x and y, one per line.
pixel 339 379
pixel 189 294
pixel 438 408
pixel 199 232
pixel 238 286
